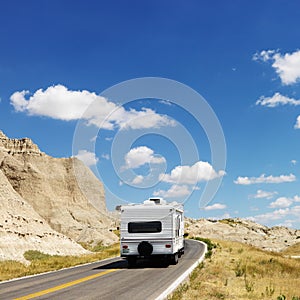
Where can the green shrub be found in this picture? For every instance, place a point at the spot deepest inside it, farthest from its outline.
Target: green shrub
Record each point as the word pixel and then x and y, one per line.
pixel 98 247
pixel 32 255
pixel 270 290
pixel 240 269
pixel 249 285
pixel 208 254
pixel 177 295
pixel 208 242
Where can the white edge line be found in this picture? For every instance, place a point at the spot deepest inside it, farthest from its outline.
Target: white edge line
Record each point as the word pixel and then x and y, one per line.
pixel 55 271
pixel 183 276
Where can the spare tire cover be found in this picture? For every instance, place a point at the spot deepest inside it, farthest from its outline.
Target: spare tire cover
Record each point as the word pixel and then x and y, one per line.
pixel 145 248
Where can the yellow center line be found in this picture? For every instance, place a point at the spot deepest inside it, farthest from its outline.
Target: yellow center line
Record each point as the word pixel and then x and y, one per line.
pixel 65 285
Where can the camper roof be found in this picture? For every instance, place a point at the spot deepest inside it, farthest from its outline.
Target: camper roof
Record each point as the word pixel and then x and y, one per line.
pixel 155 203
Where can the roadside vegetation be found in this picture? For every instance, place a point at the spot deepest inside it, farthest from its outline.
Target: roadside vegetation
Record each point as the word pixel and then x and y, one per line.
pixel 41 262
pixel 234 270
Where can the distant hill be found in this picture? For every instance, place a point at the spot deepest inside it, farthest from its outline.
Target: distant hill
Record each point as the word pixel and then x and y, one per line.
pixel 277 238
pixel 41 197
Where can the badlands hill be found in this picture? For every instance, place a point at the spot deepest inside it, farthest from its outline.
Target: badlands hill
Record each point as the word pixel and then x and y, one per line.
pixel 44 206
pixel 275 239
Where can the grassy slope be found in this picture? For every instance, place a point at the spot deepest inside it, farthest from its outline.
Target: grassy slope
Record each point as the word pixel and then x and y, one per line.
pixel 238 271
pixel 293 250
pixel 42 262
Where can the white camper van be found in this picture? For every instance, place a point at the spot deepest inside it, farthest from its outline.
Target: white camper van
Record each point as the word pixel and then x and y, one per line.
pixel 152 229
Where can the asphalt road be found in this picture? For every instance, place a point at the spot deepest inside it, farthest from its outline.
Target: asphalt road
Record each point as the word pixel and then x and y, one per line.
pixel 109 279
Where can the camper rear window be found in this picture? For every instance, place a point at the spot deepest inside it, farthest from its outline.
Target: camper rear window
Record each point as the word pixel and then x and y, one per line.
pixel 144 227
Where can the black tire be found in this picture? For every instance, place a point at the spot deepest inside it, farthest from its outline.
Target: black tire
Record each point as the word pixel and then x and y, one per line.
pixel 131 260
pixel 174 259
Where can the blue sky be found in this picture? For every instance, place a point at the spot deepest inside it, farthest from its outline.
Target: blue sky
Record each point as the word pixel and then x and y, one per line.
pixel 57 58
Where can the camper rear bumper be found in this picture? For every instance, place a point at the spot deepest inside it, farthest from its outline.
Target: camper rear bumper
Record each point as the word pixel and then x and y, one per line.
pixel 148 248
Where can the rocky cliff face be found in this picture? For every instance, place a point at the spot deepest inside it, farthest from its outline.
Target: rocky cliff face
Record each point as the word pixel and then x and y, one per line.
pixel 240 230
pixel 67 203
pixel 22 228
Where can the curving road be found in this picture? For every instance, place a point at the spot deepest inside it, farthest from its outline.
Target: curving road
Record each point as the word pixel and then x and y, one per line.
pixel 108 279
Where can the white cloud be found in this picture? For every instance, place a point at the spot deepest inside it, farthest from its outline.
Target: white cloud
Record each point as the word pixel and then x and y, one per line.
pixel 281 202
pixel 200 171
pixel 105 156
pixel 225 216
pixel 287 65
pixel 215 206
pixel 287 223
pixel 264 55
pixel 278 214
pixel 293 161
pixel 263 194
pixel 297 124
pixel 94 139
pixel 175 191
pixel 146 118
pixel 296 198
pixel 284 209
pixel 138 179
pixel 263 179
pixel 58 102
pixel 166 102
pixel 271 216
pixel 296 211
pixel 89 158
pixel 140 156
pixel 276 100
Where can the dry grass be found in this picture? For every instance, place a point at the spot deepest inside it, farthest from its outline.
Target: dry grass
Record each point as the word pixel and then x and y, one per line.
pixel 40 262
pixel 238 271
pixel 293 250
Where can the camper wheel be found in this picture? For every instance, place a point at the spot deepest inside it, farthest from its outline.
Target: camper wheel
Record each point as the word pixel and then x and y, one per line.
pixel 131 260
pixel 180 253
pixel 174 259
